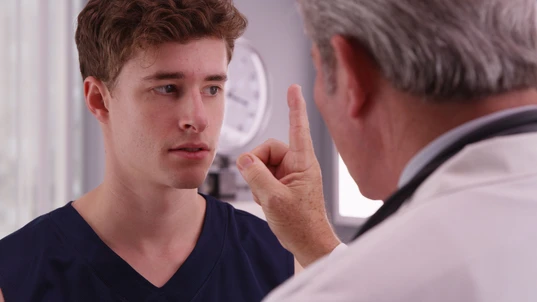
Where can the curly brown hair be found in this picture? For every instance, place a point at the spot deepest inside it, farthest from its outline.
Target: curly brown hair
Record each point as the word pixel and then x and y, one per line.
pixel 109 32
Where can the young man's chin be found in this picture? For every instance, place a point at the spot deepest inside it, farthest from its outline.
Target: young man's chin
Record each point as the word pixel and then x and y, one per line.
pixel 187 181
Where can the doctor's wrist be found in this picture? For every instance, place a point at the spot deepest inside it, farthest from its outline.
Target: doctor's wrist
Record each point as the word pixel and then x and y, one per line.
pixel 321 246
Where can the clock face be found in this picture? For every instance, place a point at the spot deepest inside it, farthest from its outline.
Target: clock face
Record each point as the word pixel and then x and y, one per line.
pixel 246 99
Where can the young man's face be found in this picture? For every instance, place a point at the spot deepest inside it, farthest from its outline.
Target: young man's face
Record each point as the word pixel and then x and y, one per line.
pixel 166 111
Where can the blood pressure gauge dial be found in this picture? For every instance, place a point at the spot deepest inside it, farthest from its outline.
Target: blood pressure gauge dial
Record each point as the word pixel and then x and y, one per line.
pixel 246 99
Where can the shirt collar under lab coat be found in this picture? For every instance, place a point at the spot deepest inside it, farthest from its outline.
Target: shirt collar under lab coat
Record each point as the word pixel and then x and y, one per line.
pixel 435 147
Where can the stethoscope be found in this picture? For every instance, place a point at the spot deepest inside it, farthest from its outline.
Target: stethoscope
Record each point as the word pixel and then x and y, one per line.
pixel 522 122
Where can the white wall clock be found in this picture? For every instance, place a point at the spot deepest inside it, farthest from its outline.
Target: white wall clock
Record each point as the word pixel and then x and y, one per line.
pixel 246 97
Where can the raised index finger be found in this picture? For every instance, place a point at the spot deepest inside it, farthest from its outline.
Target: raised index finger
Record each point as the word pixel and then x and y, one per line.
pixel 299 130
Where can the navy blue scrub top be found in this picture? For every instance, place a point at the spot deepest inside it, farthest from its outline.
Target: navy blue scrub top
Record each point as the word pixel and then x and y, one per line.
pixel 58 257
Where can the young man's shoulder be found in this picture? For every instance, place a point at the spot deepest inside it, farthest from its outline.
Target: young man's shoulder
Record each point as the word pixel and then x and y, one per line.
pixel 254 237
pixel 248 219
pixel 21 251
pixel 250 249
pixel 242 221
pixel 26 239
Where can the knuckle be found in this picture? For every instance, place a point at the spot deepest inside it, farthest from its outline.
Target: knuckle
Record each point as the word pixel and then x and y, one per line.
pixel 273 142
pixel 254 175
pixel 270 141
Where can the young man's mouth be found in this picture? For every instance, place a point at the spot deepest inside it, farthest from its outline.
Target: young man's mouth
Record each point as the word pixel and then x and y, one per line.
pixel 192 151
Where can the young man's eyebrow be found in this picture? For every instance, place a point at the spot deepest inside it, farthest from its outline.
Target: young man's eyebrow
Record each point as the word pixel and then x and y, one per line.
pixel 216 78
pixel 180 76
pixel 165 76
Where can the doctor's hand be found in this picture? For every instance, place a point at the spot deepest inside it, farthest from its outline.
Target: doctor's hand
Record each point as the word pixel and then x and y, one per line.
pixel 286 181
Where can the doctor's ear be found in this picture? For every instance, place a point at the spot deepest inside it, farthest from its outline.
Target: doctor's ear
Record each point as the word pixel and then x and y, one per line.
pixel 356 73
pixel 97 95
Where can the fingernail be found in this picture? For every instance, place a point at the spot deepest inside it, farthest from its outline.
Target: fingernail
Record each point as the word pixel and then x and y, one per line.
pixel 245 161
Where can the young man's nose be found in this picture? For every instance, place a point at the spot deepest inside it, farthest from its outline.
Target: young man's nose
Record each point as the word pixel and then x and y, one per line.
pixel 193 116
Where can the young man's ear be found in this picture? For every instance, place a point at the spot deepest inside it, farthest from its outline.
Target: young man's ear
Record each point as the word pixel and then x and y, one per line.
pixel 356 74
pixel 97 95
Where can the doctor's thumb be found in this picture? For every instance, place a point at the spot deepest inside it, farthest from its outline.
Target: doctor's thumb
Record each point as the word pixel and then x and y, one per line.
pixel 257 175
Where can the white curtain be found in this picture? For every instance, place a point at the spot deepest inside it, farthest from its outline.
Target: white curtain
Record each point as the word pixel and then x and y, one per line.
pixel 40 109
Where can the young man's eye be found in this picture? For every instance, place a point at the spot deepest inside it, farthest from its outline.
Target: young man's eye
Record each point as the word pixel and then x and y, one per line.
pixel 212 90
pixel 167 89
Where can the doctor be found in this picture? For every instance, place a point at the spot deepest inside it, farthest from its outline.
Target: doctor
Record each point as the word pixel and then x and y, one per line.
pixel 433 107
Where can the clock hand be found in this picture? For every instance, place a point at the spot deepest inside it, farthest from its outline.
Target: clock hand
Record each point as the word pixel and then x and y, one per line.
pixel 238 99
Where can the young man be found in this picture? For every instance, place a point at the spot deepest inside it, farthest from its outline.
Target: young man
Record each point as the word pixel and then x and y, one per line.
pixel 153 74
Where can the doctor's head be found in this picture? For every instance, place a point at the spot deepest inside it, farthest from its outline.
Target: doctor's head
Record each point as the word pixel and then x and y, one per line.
pixel 154 74
pixel 392 75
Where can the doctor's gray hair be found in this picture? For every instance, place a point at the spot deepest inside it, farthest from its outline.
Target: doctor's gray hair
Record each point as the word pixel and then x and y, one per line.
pixel 438 49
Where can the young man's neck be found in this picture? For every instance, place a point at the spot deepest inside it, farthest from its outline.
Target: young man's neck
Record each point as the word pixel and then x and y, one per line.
pixel 142 216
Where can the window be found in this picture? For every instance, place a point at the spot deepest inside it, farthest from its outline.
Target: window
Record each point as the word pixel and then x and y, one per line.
pixel 352 208
pixel 40 109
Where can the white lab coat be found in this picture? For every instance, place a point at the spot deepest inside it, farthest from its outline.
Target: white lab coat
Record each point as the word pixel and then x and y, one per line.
pixel 469 234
